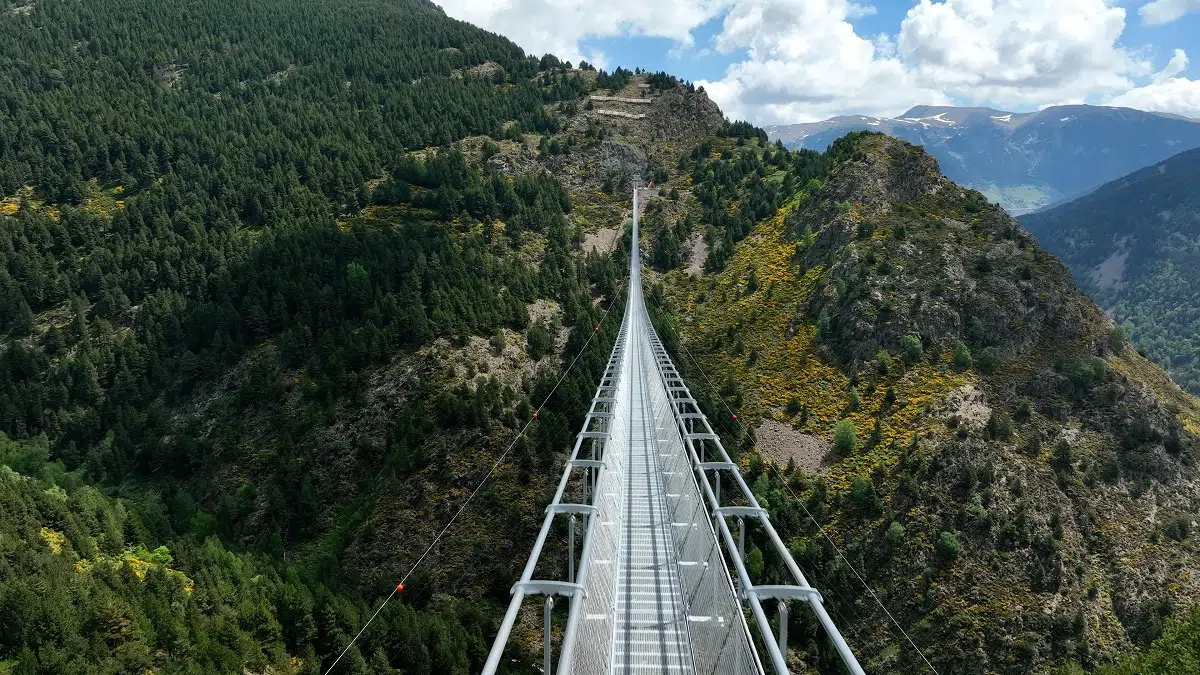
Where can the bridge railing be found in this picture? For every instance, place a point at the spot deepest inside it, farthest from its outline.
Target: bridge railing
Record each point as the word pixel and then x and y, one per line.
pixel 593 465
pixel 730 499
pixel 720 639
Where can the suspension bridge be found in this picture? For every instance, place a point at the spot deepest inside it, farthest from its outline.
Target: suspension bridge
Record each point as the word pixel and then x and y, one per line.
pixel 655 516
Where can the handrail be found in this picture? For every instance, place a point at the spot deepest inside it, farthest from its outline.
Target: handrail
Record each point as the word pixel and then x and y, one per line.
pixel 527 585
pixel 688 415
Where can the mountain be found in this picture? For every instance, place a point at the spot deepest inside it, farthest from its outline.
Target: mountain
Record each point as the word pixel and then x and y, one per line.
pixel 916 382
pixel 1132 245
pixel 281 284
pixel 1023 161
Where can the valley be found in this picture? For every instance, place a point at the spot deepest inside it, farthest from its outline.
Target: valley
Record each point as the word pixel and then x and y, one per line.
pixel 1026 162
pixel 1131 244
pixel 299 301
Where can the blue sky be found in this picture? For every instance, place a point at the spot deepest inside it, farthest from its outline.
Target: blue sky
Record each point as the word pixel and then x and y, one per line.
pixel 778 61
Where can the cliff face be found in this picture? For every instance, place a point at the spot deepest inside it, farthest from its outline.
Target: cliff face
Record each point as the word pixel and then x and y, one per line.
pixel 1019 485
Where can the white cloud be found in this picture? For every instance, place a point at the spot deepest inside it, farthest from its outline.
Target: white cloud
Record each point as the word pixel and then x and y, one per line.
pixel 1018 51
pixel 805 61
pixel 558 26
pixel 1166 92
pixel 1178 95
pixel 1178 64
pixel 1165 11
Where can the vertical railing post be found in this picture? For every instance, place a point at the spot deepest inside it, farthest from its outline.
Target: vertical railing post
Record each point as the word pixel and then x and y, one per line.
pixel 783 619
pixel 571 550
pixel 546 636
pixel 712 571
pixel 742 539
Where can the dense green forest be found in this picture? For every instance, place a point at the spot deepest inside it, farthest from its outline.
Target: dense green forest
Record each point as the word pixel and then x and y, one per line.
pixel 190 297
pixel 280 281
pixel 1132 245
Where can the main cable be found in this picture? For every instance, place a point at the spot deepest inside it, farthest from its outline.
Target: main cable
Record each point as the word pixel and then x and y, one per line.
pixel 463 506
pixel 803 506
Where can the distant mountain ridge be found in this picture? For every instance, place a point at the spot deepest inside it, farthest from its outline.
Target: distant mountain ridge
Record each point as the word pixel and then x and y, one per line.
pixel 1024 161
pixel 1134 246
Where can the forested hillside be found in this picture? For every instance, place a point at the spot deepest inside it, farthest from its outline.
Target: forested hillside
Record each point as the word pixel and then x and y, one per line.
pixel 1133 246
pixel 259 343
pixel 280 282
pixel 906 370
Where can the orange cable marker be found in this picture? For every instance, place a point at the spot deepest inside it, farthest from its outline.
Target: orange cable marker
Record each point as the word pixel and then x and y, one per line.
pixel 399 587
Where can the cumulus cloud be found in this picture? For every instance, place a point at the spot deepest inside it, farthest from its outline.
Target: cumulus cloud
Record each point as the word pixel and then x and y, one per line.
pixel 806 62
pixel 1021 51
pixel 1178 64
pixel 1165 11
pixel 803 59
pixel 1166 92
pixel 558 26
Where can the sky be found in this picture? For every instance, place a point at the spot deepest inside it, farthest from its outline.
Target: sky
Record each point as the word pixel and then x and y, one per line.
pixel 789 61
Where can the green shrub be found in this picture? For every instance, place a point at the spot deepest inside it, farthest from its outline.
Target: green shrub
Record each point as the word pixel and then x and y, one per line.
pixel 1178 528
pixel 1032 445
pixel 895 534
pixel 540 342
pixel 883 361
pixel 912 348
pixel 754 563
pixel 946 548
pixel 862 494
pixel 962 356
pixel 1000 426
pixel 853 401
pixel 793 406
pixel 845 438
pixel 989 360
pixel 1084 373
pixel 1022 411
pixel 1118 340
pixel 497 342
pixel 1062 458
pixel 1176 652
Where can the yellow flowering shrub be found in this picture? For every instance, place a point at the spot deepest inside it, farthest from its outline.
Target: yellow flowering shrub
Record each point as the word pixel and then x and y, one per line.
pixel 764 342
